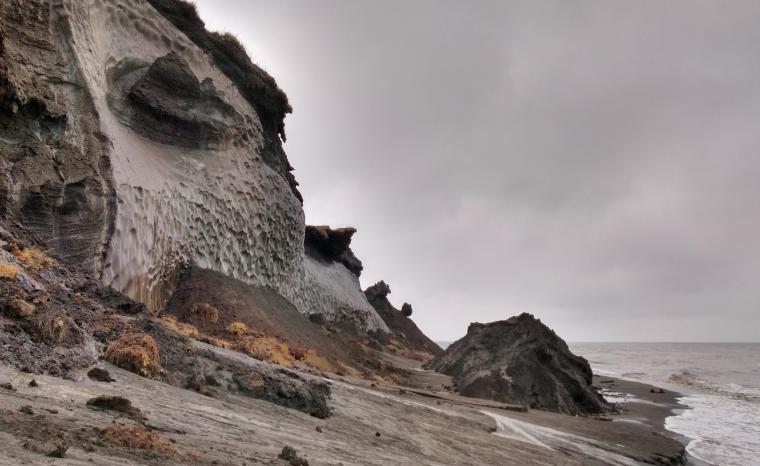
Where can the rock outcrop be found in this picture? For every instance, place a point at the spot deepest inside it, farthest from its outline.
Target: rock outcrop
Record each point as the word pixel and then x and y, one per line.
pixel 331 285
pixel 55 174
pixel 255 84
pixel 404 335
pixel 332 245
pixel 169 105
pixel 520 360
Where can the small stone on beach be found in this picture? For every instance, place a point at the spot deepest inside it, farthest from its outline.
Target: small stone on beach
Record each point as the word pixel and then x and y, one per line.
pixel 26 410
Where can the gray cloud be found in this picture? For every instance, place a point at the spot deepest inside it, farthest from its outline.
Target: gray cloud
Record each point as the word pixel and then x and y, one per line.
pixel 595 163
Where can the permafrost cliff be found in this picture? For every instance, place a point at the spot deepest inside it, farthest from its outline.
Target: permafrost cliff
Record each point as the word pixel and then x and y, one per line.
pixel 135 153
pixel 141 155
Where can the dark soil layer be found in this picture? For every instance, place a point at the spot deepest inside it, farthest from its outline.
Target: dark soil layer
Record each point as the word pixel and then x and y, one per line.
pixel 255 84
pixel 263 310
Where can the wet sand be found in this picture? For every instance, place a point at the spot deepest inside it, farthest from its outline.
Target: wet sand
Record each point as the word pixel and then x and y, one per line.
pixel 640 402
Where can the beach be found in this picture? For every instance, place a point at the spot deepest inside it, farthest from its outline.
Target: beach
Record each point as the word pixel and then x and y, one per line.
pixel 711 398
pixel 372 424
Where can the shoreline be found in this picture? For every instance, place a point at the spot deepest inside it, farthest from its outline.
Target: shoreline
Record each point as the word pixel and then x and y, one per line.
pixel 647 404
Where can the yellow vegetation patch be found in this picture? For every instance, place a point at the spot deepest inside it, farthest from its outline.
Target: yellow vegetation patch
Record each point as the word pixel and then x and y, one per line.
pixel 135 352
pixel 394 346
pixel 107 324
pixel 318 362
pixel 266 349
pixel 207 312
pixel 32 258
pixel 121 435
pixel 298 353
pixel 8 271
pixel 219 342
pixel 55 328
pixel 182 328
pixel 237 328
pixel 18 308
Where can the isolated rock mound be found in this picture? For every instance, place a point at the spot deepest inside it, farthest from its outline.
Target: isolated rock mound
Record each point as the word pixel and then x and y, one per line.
pixel 520 360
pixel 404 332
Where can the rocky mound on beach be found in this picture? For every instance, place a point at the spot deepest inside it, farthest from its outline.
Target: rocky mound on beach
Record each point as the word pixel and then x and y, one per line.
pixel 404 335
pixel 521 360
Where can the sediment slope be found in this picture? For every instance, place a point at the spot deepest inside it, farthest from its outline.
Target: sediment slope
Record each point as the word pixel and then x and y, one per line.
pixel 405 335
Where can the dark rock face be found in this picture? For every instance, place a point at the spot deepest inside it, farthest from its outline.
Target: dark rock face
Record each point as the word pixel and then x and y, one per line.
pixel 521 360
pixel 402 327
pixel 324 243
pixel 166 102
pixel 255 84
pixel 54 161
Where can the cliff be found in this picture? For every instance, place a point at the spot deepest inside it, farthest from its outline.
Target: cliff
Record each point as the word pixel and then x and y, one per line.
pixel 163 302
pixel 135 143
pixel 521 360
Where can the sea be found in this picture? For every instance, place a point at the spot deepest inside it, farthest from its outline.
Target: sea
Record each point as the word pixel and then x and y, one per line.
pixel 720 383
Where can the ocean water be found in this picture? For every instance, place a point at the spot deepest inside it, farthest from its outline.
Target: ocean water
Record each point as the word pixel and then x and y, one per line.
pixel 720 383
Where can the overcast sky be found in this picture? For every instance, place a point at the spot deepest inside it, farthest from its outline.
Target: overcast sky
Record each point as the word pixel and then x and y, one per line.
pixel 596 163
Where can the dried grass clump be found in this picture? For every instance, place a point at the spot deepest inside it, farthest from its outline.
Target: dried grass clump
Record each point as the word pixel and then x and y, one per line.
pixel 232 45
pixel 137 436
pixel 218 342
pixel 17 308
pixel 207 312
pixel 182 328
pixel 298 353
pixel 266 348
pixel 135 352
pixel 319 362
pixel 8 271
pixel 32 258
pixel 110 325
pixel 237 328
pixel 55 328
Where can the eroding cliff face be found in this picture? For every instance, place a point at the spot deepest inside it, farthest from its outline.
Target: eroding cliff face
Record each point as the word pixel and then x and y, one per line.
pixel 332 279
pixel 146 148
pixel 55 176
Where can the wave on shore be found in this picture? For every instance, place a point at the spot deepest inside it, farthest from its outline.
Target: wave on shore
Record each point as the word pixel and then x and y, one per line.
pixel 720 384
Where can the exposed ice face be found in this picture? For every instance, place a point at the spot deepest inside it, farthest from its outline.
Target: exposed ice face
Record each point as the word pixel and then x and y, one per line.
pixel 226 211
pixel 216 205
